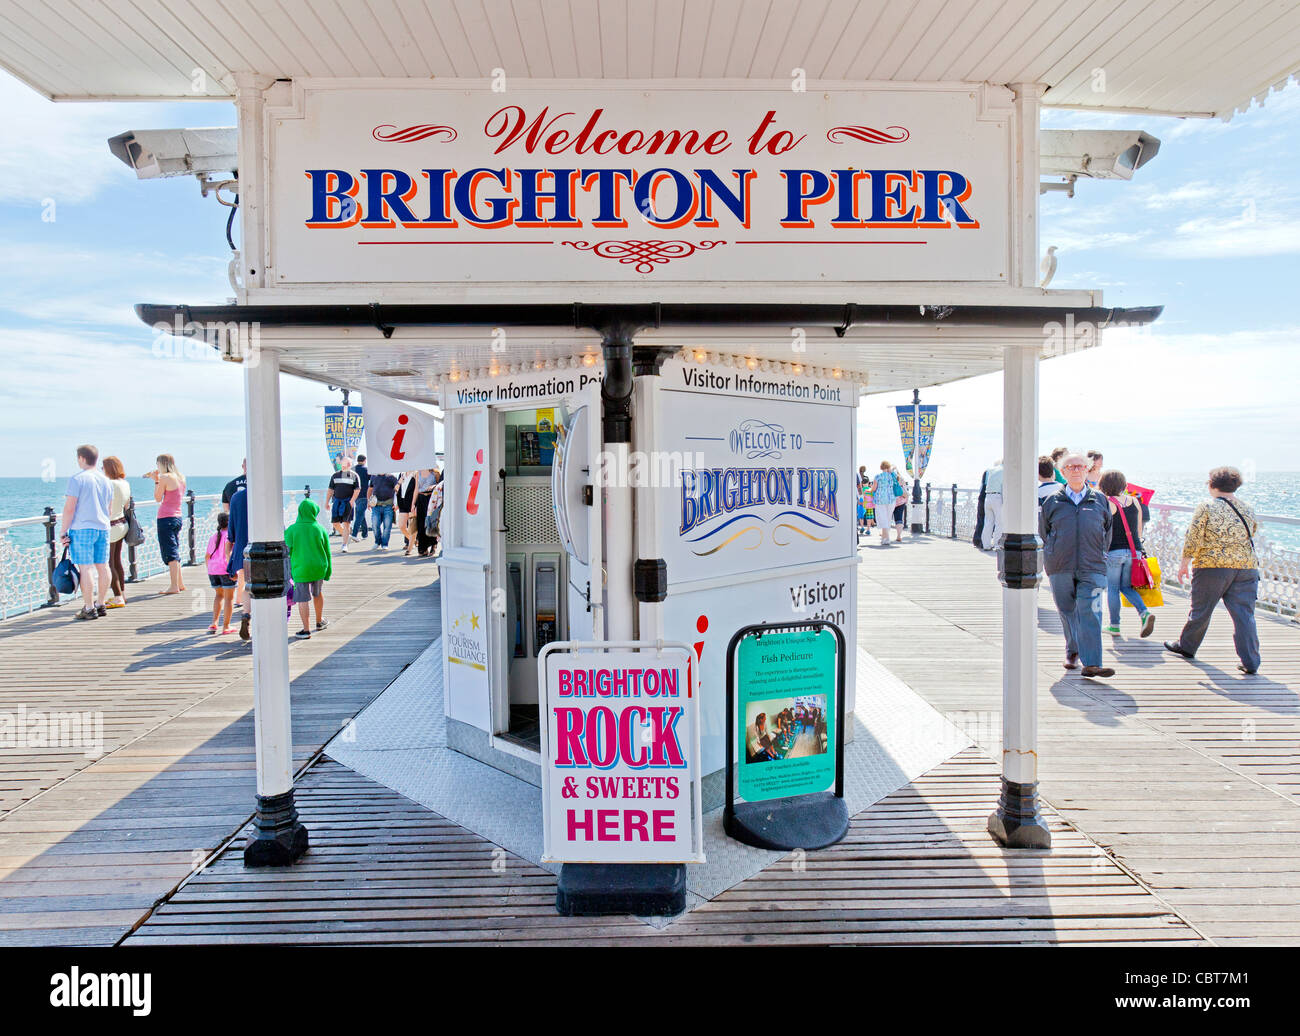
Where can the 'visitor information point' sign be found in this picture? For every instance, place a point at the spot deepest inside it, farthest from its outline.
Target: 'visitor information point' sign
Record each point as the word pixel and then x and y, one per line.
pixel 785 728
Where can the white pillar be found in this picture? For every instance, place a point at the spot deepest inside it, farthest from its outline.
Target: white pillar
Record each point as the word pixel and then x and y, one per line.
pixel 1017 822
pixel 651 574
pixel 620 610
pixel 278 838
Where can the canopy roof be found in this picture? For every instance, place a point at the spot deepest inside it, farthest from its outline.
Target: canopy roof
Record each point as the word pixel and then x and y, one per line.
pixel 1179 57
pixel 406 350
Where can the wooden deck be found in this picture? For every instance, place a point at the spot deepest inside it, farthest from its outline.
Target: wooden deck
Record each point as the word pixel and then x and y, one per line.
pixel 915 869
pixel 1188 772
pixel 88 847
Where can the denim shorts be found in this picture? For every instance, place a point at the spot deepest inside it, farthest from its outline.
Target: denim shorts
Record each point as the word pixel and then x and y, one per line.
pixel 169 539
pixel 89 546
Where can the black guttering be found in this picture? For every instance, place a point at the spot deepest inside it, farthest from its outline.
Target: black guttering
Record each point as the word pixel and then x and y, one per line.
pixel 639 316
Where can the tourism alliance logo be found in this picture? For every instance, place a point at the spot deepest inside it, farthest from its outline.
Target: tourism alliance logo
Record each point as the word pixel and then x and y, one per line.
pixel 466 643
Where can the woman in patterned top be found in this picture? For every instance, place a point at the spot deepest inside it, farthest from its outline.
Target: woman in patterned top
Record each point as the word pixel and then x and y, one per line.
pixel 1220 547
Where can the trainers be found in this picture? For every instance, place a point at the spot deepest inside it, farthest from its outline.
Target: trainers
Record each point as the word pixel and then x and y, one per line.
pixel 1071 661
pixel 101 610
pixel 304 634
pixel 86 613
pixel 243 626
pixel 344 549
pixel 1112 630
pixel 1176 648
pixel 1148 624
pixel 321 625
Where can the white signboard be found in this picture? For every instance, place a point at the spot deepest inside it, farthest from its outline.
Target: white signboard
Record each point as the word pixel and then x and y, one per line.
pixel 620 756
pixel 451 183
pixel 762 484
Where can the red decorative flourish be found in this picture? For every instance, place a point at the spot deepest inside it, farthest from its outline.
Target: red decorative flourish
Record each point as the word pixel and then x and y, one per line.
pixel 647 255
pixel 868 135
pixel 390 134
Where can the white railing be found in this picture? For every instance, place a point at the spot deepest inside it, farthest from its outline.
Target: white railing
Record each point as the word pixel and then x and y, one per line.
pixel 25 568
pixel 1279 567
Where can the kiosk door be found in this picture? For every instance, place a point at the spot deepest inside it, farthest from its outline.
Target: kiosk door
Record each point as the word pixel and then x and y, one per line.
pixel 468 628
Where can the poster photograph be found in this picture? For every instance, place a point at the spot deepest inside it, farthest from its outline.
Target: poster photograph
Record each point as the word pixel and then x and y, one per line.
pixel 785 702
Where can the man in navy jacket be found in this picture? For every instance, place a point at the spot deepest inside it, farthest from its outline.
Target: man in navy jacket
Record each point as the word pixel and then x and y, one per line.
pixel 1074 524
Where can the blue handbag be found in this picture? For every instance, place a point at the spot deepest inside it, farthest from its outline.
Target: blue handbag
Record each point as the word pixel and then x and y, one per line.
pixel 66 578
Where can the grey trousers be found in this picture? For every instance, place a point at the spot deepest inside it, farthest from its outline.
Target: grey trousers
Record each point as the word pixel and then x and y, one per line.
pixel 1237 588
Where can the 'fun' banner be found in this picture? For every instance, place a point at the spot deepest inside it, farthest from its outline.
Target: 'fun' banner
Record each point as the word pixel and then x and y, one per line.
pixel 918 459
pixel 334 444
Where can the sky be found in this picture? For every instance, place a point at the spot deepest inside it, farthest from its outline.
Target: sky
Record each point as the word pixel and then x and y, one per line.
pixel 1210 229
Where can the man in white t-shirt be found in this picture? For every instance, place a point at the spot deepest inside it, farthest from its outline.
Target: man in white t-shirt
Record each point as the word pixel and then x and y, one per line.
pixel 85 530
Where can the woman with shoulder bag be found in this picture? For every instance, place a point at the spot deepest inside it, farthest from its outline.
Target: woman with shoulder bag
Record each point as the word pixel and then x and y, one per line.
pixel 886 493
pixel 1220 548
pixel 1125 547
pixel 117 528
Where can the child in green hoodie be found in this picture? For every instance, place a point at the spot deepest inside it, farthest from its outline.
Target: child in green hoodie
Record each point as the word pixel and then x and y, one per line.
pixel 309 563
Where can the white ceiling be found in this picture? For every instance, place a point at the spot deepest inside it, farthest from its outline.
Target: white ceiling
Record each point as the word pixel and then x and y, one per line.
pixel 1193 57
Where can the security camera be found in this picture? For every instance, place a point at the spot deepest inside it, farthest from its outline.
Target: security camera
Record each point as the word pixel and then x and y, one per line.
pixel 177 152
pixel 1100 154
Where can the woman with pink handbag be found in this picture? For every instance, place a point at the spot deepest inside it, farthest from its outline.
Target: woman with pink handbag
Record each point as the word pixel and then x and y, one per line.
pixel 1126 568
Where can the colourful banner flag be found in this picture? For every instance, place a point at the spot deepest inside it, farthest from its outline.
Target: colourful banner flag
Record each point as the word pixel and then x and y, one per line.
pixel 334 431
pixel 906 419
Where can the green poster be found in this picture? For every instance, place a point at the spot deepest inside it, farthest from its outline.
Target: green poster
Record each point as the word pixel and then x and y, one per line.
pixel 785 703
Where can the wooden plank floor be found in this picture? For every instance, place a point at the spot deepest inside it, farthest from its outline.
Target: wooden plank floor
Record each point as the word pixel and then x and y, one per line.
pixel 1189 773
pixel 88 846
pixel 915 869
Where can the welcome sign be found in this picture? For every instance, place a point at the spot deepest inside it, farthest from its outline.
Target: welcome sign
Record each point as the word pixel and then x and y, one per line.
pixel 635 182
pixel 769 484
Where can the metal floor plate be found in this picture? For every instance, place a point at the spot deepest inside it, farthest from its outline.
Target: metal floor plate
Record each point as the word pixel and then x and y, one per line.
pixel 400 741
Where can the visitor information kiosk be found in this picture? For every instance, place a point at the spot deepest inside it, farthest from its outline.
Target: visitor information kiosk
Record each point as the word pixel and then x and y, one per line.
pixel 649 310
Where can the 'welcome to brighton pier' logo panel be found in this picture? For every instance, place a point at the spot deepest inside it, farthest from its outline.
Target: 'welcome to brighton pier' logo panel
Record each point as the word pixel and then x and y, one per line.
pixel 450 185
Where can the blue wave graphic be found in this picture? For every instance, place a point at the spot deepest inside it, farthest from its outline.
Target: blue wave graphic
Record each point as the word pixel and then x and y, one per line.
pixel 729 521
pixel 804 517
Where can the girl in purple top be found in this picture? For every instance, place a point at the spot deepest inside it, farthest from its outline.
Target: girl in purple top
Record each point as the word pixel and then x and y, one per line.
pixel 168 488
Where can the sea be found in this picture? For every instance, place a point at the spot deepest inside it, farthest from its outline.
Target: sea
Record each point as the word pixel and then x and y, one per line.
pixel 1274 493
pixel 28 497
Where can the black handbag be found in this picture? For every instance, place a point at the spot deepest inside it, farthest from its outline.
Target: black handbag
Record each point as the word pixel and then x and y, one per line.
pixel 134 534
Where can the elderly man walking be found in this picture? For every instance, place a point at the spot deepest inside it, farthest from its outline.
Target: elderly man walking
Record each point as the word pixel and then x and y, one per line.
pixel 1074 523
